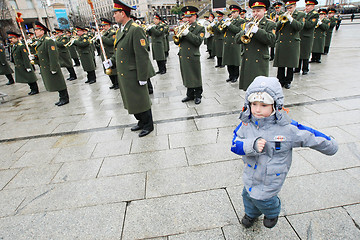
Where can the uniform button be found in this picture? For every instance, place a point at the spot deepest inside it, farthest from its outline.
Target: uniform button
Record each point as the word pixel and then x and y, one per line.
pixel 121 61
pixel 121 49
pixel 256 60
pixel 246 59
pixel 188 48
pixel 188 57
pixel 280 41
pixel 122 74
pixel 180 56
pixel 246 49
pixel 258 50
pixel 290 33
pixel 290 41
pixel 232 43
pixel 281 34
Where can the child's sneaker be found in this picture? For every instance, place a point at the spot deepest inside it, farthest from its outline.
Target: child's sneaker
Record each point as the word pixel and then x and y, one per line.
pixel 270 222
pixel 247 221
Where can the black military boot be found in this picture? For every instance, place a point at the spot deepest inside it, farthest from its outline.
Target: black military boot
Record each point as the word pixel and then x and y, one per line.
pixel 150 86
pixel 10 78
pixel 270 223
pixel 63 98
pixel 72 74
pixel 34 88
pixel 91 77
pixel 77 62
pixel 247 221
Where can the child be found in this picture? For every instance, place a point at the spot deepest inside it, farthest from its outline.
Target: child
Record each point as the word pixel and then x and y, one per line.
pixel 266 138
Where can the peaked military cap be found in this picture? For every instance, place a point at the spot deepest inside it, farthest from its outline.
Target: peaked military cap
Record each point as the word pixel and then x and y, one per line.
pixel 58 30
pixel 39 25
pixel 243 11
pixel 156 15
pixel 189 11
pixel 322 11
pixel 219 13
pixel 331 10
pixel 105 21
pixel 211 14
pixel 206 17
pixel 234 8
pixel 13 34
pixel 290 2
pixel 277 4
pixel 30 33
pixel 78 28
pixel 259 4
pixel 121 6
pixel 311 2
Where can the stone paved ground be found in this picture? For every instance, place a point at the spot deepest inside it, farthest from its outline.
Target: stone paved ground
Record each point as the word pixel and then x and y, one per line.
pixel 78 172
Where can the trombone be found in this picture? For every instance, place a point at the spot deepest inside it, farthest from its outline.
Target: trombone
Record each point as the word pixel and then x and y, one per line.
pixel 285 17
pixel 180 30
pixel 246 38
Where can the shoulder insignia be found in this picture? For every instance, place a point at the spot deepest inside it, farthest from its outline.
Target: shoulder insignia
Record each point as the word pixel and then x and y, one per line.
pixel 24 49
pixel 135 24
pixel 142 42
pixel 84 40
pixel 53 48
pixel 313 20
pixel 202 35
pixel 161 29
pixel 198 24
pixel 303 19
pixel 63 40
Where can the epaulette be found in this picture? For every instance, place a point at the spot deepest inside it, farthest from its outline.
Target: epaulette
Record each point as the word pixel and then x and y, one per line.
pixel 20 44
pixel 199 24
pixel 135 24
pixel 47 38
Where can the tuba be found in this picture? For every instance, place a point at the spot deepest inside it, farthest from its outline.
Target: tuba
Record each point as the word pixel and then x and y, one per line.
pixel 246 38
pixel 180 30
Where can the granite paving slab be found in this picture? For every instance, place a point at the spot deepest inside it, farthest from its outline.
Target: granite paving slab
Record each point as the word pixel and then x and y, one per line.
pixel 213 234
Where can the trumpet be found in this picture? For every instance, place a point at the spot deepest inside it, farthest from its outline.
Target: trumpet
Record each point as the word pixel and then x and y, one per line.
pixel 223 25
pixel 319 22
pixel 210 29
pixel 179 31
pixel 71 42
pixel 285 17
pixel 246 38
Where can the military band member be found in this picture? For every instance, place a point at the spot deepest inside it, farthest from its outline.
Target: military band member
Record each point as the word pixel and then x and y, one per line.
pixel 157 33
pixel 5 68
pixel 72 49
pixel 288 43
pixel 307 36
pixel 133 66
pixel 32 42
pixel 189 55
pixel 274 16
pixel 255 54
pixel 243 14
pixel 210 39
pixel 64 54
pixel 218 39
pixel 231 53
pixel 322 26
pixel 86 53
pixel 333 21
pixel 166 37
pixel 50 70
pixel 108 39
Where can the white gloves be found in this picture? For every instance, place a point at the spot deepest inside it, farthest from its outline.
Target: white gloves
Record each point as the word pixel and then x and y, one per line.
pixel 28 41
pixel 28 69
pixel 185 32
pixel 228 23
pixel 31 57
pixel 149 27
pixel 107 64
pixel 142 83
pixel 53 72
pixel 255 29
pixel 98 37
pixel 213 24
pixel 290 18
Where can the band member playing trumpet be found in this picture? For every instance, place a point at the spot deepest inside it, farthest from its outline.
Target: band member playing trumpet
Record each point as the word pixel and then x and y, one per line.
pixel 333 22
pixel 64 54
pixel 218 38
pixel 307 36
pixel 72 49
pixel 319 36
pixel 256 37
pixel 288 44
pixel 274 16
pixel 231 53
pixel 210 39
pixel 189 55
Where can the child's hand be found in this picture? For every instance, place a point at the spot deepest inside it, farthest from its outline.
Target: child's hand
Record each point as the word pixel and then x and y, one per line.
pixel 261 144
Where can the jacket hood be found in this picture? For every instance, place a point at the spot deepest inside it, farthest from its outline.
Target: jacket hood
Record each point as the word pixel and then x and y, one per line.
pixel 272 86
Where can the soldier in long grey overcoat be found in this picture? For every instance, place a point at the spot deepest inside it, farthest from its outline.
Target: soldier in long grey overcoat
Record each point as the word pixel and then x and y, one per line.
pixel 50 70
pixel 157 33
pixel 274 16
pixel 307 36
pixel 218 44
pixel 288 44
pixel 333 22
pixel 133 66
pixel 189 55
pixel 231 53
pixel 24 72
pixel 72 49
pixel 319 36
pixel 64 54
pixel 86 54
pixel 5 68
pixel 255 55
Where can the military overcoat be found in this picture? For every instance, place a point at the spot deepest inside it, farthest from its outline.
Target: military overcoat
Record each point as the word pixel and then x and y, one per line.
pixel 307 34
pixel 189 56
pixel 274 16
pixel 73 52
pixel 231 50
pixel 133 65
pixel 287 51
pixel 319 36
pixel 166 38
pixel 48 56
pixel 21 63
pixel 218 44
pixel 108 39
pixel 64 54
pixel 157 34
pixel 333 21
pixel 86 54
pixel 255 55
pixel 4 65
